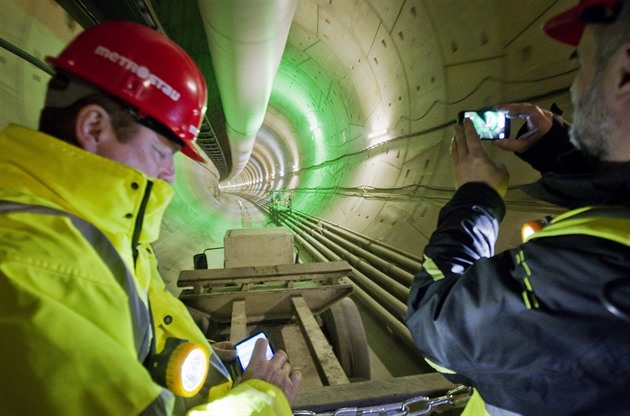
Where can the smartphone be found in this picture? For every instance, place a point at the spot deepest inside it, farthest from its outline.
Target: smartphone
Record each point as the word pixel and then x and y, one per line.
pixel 490 124
pixel 245 348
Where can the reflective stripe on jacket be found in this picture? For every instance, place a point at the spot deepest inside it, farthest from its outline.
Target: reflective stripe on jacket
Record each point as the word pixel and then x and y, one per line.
pixel 141 321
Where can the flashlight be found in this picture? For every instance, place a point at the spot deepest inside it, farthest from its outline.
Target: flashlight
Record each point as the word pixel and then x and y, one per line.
pixel 181 367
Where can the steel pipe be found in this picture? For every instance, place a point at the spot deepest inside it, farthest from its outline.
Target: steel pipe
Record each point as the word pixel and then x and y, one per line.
pixel 404 260
pixel 246 40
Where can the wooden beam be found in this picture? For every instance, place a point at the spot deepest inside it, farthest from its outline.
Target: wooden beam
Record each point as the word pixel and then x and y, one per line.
pixel 240 275
pixel 270 304
pixel 325 360
pixel 238 328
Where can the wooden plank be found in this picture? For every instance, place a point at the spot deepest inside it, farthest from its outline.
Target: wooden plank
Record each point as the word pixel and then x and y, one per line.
pixel 324 357
pixel 300 357
pixel 238 328
pixel 266 304
pixel 371 393
pixel 241 275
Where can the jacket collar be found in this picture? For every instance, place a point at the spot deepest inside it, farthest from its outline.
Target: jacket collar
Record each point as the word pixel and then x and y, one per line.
pixel 105 193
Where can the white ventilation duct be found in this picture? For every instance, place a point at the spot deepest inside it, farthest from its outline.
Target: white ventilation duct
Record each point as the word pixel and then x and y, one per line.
pixel 246 40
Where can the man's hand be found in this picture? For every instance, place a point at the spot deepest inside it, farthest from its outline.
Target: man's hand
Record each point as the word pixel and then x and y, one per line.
pixel 472 164
pixel 276 371
pixel 539 123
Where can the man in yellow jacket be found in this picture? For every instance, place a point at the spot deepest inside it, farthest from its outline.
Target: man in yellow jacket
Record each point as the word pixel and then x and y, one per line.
pixel 83 310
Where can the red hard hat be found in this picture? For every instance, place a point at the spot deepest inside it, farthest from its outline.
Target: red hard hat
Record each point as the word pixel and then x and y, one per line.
pixel 567 27
pixel 145 69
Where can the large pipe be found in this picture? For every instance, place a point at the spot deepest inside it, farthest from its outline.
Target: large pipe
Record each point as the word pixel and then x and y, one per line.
pixel 392 270
pixel 246 40
pixel 404 260
pixel 368 262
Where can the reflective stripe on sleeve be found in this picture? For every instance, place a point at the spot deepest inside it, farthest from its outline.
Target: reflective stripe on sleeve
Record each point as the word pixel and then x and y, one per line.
pixel 431 269
pixel 101 244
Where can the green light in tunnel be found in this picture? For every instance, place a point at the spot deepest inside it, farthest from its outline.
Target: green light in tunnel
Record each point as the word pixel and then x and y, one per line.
pixel 306 97
pixel 305 94
pixel 194 202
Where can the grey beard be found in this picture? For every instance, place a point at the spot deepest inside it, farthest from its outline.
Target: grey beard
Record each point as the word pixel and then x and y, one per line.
pixel 592 126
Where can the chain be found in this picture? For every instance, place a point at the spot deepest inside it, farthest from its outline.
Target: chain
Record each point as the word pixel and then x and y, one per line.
pixel 456 396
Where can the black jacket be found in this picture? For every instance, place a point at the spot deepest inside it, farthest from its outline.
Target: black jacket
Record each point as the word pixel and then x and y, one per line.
pixel 527 327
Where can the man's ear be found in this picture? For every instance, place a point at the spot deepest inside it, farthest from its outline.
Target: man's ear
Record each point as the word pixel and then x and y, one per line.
pixel 623 73
pixel 92 127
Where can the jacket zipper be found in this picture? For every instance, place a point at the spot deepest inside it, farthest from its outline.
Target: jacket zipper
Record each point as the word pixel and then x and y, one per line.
pixel 139 221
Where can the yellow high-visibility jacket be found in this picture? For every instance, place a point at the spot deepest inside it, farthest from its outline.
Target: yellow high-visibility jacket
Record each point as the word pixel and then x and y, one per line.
pixel 68 344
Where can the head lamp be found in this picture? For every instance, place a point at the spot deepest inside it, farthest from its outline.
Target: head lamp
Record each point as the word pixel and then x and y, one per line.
pixel 181 367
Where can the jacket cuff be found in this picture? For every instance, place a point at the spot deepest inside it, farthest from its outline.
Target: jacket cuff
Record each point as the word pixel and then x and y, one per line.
pixel 480 194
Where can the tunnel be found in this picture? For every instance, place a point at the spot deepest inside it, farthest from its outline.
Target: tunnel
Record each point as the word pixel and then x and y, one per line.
pixel 352 109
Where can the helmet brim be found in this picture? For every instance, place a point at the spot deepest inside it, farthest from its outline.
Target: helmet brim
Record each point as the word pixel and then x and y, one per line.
pixel 566 27
pixel 189 150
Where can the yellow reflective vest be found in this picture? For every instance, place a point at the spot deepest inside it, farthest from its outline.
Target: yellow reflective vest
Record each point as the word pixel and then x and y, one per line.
pixel 67 328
